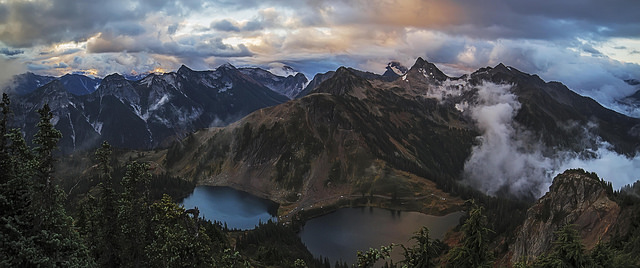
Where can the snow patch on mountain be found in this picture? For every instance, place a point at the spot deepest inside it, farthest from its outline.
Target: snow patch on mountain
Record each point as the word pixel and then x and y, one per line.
pixel 55 119
pixel 281 69
pixel 396 68
pixel 227 86
pixel 147 80
pixel 138 111
pixel 165 98
pixel 73 130
pixel 170 78
pixel 97 126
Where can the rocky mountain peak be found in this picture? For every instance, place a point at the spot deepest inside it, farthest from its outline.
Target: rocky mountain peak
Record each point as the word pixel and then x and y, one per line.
pixel 184 70
pixel 428 70
pixel 53 86
pixel 501 68
pixel 113 78
pixel 394 70
pixel 226 66
pixel 78 84
pixel 575 197
pixel 301 76
pixel 116 84
pixel 54 93
pixel 343 82
pixel 26 83
pixel 397 67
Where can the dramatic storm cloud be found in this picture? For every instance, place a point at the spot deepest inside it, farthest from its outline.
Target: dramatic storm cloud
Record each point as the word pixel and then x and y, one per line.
pixel 592 46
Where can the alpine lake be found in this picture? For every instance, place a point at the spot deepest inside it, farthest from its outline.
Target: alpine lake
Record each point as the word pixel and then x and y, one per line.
pixel 337 235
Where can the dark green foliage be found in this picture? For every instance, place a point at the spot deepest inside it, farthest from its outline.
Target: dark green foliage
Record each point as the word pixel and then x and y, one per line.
pixel 46 140
pixel 628 243
pixel 99 217
pixel 176 187
pixel 35 229
pixel 142 233
pixel 567 251
pixel 275 244
pixel 628 195
pixel 424 253
pixel 568 247
pixel 474 250
pixel 178 240
pixel 368 258
pixel 603 256
pixel 16 193
pixel 134 214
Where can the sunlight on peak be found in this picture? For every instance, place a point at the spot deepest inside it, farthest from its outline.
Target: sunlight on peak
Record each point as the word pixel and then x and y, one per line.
pixel 159 70
pixel 93 72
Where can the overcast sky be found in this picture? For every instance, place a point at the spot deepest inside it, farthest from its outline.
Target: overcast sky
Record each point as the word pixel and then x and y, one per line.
pixel 590 45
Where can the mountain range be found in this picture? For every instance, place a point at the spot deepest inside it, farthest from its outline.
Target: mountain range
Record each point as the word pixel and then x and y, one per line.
pixel 338 138
pixel 144 113
pixel 361 135
pixel 416 118
pixel 408 135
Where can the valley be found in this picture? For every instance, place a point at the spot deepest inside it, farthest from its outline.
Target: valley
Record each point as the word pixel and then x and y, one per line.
pixel 414 140
pixel 319 134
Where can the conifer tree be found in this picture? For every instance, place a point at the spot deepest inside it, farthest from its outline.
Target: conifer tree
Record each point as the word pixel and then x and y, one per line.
pixel 134 215
pixel 54 234
pixel 15 194
pixel 36 230
pixel 424 253
pixel 567 250
pixel 98 216
pixel 46 140
pixel 178 239
pixel 474 250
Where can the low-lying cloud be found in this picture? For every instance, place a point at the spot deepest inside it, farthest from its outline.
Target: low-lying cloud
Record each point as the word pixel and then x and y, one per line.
pixel 508 159
pixel 10 68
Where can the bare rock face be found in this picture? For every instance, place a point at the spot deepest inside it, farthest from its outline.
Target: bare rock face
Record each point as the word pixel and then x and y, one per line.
pixel 575 197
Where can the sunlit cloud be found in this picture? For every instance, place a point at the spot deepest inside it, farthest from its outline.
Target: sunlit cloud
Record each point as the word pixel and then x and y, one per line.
pixel 591 48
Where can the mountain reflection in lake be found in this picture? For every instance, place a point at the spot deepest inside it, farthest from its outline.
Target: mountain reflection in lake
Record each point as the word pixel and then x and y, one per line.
pixel 240 210
pixel 339 235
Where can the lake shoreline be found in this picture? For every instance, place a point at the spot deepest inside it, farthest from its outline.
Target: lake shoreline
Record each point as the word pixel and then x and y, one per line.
pixel 301 211
pixel 340 234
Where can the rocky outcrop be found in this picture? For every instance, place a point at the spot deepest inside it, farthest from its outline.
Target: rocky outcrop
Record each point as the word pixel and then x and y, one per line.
pixel 575 197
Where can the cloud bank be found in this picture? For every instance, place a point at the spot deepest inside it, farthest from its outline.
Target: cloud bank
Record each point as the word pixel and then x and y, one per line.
pixel 591 49
pixel 9 69
pixel 508 160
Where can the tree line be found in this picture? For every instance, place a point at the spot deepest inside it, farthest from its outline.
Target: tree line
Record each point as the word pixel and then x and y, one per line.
pixel 113 227
pixel 121 223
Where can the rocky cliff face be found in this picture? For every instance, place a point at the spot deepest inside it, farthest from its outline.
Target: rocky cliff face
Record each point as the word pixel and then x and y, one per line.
pixel 575 197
